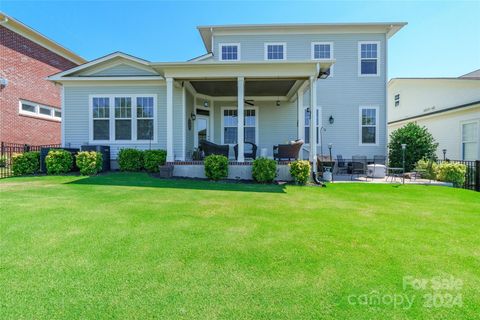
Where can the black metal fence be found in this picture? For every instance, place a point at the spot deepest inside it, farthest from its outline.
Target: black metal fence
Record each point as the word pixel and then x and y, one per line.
pixel 472 176
pixel 7 150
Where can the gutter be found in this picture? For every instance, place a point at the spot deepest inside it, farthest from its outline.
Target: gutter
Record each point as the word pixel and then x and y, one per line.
pixel 437 112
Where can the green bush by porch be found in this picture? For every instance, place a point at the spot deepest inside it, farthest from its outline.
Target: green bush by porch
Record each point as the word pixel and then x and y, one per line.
pixel 26 163
pixel 216 167
pixel 264 170
pixel 58 161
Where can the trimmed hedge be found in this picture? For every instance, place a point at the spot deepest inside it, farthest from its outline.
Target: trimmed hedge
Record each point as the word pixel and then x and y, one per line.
pixel 58 161
pixel 89 162
pixel 26 163
pixel 264 170
pixel 452 172
pixel 300 171
pixel 216 167
pixel 154 158
pixel 130 159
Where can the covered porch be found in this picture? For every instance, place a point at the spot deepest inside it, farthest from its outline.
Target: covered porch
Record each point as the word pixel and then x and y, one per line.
pixel 242 105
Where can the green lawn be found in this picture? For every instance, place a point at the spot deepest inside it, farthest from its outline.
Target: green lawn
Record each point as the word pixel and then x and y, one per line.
pixel 131 246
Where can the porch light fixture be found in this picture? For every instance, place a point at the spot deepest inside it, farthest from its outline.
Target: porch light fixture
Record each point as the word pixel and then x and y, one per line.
pixel 324 74
pixel 331 120
pixel 193 116
pixel 205 103
pixel 444 154
pixel 277 103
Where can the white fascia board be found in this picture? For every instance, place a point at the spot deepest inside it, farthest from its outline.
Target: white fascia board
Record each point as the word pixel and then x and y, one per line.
pixel 98 61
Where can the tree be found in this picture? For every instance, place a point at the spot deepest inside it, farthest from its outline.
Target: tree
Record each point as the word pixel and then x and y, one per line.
pixel 420 145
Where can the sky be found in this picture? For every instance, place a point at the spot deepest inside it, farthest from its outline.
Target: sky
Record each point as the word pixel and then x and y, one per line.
pixel 442 38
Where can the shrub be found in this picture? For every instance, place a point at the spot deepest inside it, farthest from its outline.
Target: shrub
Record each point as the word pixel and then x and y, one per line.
pixel 264 170
pixel 130 159
pixel 452 172
pixel 3 161
pixel 420 145
pixel 89 162
pixel 426 172
pixel 26 163
pixel 216 167
pixel 58 161
pixel 154 158
pixel 300 171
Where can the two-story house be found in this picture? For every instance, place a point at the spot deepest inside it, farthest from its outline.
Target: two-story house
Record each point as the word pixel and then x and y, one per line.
pixel 262 84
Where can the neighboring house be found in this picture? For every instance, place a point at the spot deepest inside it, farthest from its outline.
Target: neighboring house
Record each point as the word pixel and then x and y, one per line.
pixel 30 104
pixel 256 83
pixel 448 107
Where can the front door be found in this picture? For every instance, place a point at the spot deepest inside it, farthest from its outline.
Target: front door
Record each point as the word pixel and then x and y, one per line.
pixel 201 129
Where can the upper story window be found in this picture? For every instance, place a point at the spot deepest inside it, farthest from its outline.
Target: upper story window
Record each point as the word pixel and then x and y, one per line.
pixel 275 51
pixel 368 58
pixel 122 118
pixel 39 111
pixel 397 100
pixel 322 50
pixel 229 51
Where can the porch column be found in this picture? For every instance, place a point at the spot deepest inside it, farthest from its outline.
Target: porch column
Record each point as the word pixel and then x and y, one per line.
pixel 300 121
pixel 313 121
pixel 240 117
pixel 170 156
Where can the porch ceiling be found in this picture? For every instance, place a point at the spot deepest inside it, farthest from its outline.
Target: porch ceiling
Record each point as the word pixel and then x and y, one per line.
pixel 259 88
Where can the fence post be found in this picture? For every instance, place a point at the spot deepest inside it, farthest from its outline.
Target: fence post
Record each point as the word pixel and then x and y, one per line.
pixel 2 148
pixel 26 148
pixel 477 175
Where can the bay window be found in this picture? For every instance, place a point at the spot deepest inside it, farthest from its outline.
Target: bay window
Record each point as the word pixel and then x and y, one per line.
pixel 144 118
pixel 101 118
pixel 123 118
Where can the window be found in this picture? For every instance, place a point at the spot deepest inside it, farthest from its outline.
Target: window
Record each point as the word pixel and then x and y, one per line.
pixel 307 125
pixel 45 111
pixel 470 141
pixel 368 125
pixel 369 53
pixel 101 119
pixel 123 118
pixel 57 114
pixel 230 121
pixel 229 52
pixel 322 50
pixel 144 118
pixel 275 51
pixel 38 110
pixel 397 100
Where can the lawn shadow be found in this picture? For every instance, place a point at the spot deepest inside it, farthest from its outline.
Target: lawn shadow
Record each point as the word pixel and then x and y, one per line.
pixel 144 180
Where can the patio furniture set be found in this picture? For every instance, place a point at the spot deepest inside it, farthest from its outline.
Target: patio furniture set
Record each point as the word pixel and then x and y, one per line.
pixel 289 151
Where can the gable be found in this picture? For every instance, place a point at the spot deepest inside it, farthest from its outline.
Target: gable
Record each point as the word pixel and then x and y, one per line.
pixel 123 69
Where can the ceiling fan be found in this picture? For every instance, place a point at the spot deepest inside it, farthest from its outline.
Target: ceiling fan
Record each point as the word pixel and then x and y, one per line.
pixel 249 102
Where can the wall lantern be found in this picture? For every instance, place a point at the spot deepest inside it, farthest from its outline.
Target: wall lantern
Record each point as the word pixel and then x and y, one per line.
pixel 193 116
pixel 444 154
pixel 277 103
pixel 331 120
pixel 205 104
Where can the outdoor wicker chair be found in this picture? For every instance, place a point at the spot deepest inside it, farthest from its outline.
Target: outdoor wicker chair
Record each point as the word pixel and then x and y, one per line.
pixel 287 151
pixel 252 154
pixel 209 148
pixel 359 166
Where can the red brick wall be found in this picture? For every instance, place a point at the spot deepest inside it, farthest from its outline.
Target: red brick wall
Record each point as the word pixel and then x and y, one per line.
pixel 25 65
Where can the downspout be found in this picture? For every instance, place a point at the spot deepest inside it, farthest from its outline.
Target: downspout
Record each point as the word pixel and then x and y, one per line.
pixel 312 124
pixel 211 45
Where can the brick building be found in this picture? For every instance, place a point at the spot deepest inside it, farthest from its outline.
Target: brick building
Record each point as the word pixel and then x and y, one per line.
pixel 30 106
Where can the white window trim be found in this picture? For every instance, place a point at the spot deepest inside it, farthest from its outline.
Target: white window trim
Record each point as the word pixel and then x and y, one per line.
pixel 320 124
pixel 220 45
pixel 462 123
pixel 377 125
pixel 265 50
pixel 395 100
pixel 235 108
pixel 359 66
pixel 313 50
pixel 37 113
pixel 111 118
